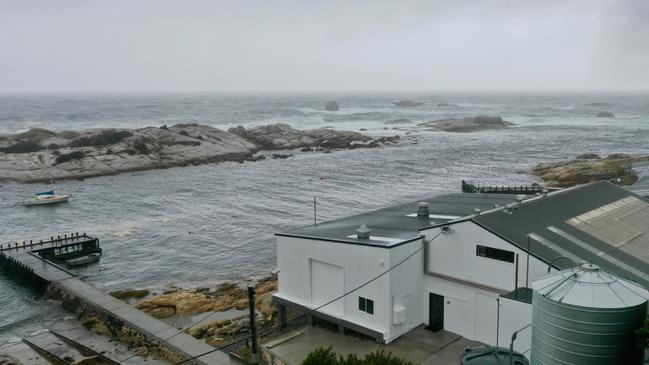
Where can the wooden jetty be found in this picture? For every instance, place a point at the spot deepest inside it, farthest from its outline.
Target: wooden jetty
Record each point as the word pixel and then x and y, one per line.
pixel 35 262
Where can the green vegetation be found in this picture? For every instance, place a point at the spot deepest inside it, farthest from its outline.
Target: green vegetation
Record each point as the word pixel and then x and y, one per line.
pixel 104 138
pixel 326 356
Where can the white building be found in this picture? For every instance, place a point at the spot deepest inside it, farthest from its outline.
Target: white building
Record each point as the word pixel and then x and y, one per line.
pixel 458 269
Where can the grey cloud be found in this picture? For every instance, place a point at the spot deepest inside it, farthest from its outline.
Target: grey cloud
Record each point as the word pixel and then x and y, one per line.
pixel 212 45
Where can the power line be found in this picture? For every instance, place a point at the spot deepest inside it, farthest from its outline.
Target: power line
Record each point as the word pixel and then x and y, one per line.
pixel 426 242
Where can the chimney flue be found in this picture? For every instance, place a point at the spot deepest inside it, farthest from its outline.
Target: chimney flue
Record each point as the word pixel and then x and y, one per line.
pixel 422 210
pixel 363 232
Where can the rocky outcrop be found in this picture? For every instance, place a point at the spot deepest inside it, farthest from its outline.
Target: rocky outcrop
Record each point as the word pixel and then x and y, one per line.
pixel 587 168
pixel 331 106
pixel 224 297
pixel 469 124
pixel 130 293
pixel 398 121
pixel 283 136
pixel 6 359
pixel 407 103
pixel 40 155
pixel 605 114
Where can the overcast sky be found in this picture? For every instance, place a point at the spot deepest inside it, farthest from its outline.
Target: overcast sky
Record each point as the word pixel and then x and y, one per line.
pixel 308 45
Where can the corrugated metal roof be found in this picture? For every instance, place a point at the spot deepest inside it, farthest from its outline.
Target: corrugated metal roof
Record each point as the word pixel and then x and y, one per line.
pixel 588 286
pixel 597 222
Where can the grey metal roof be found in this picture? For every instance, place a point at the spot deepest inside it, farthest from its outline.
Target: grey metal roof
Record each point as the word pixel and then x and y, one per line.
pixel 588 286
pixel 616 222
pixel 398 224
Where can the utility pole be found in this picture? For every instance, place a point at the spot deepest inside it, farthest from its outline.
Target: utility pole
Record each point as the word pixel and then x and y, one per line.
pixel 254 351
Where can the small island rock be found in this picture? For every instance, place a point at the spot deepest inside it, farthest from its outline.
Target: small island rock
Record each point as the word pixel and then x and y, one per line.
pixel 407 103
pixel 605 114
pixel 332 106
pixel 469 124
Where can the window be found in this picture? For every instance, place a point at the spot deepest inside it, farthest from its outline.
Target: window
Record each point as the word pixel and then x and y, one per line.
pixel 366 305
pixel 495 253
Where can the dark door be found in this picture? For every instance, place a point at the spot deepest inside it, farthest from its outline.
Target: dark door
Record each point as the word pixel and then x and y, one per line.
pixel 435 312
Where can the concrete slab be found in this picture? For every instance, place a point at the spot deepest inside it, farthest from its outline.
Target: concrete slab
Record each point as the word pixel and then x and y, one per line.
pixel 418 346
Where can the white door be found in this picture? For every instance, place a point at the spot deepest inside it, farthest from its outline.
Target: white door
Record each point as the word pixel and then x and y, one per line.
pixel 327 283
pixel 485 318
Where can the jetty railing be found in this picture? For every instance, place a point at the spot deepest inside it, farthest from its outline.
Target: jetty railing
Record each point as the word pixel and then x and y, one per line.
pixel 522 189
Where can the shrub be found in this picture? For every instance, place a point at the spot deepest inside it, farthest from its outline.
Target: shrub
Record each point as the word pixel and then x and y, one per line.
pixel 22 147
pixel 102 139
pixel 184 133
pixel 76 155
pixel 321 356
pixel 326 356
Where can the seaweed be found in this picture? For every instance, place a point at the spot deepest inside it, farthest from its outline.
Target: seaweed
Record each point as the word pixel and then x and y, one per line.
pixel 104 138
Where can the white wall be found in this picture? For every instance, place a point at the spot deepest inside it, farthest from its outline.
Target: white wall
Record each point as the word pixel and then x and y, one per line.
pixel 406 283
pixel 454 254
pixel 470 304
pixel 358 264
pixel 515 315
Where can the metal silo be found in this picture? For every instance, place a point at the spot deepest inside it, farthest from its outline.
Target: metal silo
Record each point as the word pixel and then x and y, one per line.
pixel 587 316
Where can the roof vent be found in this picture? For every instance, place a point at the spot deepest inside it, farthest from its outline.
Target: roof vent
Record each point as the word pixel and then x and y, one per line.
pixel 422 210
pixel 363 232
pixel 476 211
pixel 521 197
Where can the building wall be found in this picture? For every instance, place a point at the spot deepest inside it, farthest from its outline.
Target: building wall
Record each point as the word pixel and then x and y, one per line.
pixel 336 264
pixel 406 283
pixel 454 254
pixel 515 316
pixel 471 284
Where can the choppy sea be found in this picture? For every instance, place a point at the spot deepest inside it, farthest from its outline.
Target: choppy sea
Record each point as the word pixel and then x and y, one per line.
pixel 193 226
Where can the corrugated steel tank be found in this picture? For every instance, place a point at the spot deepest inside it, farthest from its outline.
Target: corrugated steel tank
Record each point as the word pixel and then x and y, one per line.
pixel 585 315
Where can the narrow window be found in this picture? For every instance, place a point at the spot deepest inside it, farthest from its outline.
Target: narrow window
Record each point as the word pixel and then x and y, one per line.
pixel 366 305
pixel 495 253
pixel 370 306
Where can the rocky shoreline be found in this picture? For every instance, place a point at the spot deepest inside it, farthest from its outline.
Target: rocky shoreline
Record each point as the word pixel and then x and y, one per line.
pixel 40 155
pixel 224 306
pixel 587 168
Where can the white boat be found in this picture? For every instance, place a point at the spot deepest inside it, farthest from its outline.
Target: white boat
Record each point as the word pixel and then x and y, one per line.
pixel 83 260
pixel 47 197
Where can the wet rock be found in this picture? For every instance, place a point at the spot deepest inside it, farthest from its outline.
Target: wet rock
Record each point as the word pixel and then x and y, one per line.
pixel 407 103
pixel 283 136
pixel 398 121
pixel 605 114
pixel 105 152
pixel 97 325
pixel 130 293
pixel 363 130
pixel 35 135
pixel 331 106
pixel 588 156
pixel 469 124
pixel 281 156
pixel 6 359
pixel 446 105
pixel 580 171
